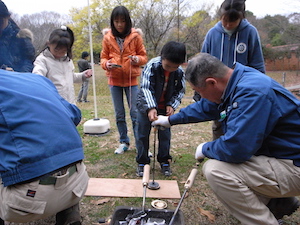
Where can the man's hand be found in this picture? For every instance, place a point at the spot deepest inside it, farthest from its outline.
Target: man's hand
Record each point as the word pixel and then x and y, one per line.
pixel 198 154
pixel 162 121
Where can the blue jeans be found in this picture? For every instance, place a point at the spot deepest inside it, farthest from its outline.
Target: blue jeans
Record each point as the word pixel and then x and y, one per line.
pixel 118 101
pixel 142 141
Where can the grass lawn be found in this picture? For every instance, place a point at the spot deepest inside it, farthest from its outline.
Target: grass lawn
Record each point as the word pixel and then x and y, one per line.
pixel 103 163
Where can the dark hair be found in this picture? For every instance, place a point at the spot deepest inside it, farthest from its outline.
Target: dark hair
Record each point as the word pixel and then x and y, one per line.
pixel 120 11
pixel 233 10
pixel 63 37
pixel 4 13
pixel 84 55
pixel 174 52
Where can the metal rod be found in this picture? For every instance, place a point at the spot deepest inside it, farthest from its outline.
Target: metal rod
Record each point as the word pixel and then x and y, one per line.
pixel 154 155
pixel 92 61
pixel 177 208
pixel 153 185
pixel 144 199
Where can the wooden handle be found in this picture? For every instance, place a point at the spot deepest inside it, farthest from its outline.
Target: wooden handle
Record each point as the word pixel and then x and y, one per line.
pixel 146 174
pixel 188 184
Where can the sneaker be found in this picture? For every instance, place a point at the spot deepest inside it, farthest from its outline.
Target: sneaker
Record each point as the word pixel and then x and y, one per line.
pixel 122 148
pixel 281 207
pixel 140 170
pixel 165 169
pixel 150 154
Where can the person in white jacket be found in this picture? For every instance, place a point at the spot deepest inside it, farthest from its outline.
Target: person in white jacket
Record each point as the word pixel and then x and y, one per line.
pixel 55 62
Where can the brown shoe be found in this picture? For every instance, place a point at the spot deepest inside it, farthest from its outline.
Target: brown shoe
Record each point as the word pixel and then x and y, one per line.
pixel 69 216
pixel 281 207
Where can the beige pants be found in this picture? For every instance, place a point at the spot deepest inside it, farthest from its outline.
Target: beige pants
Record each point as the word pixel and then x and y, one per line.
pixel 246 188
pixel 27 202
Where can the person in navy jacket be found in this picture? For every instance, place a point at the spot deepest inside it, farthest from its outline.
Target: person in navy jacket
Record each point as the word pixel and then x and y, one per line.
pixel 254 168
pixel 41 152
pixel 17 51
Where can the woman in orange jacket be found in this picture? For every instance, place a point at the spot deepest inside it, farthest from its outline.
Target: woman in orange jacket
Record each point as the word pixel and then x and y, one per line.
pixel 123 52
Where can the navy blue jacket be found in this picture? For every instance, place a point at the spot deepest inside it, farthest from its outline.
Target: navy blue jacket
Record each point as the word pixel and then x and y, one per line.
pixel 259 117
pixel 37 128
pixel 16 49
pixel 152 84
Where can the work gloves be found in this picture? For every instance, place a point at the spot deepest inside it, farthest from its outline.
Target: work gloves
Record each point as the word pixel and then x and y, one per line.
pixel 162 121
pixel 198 154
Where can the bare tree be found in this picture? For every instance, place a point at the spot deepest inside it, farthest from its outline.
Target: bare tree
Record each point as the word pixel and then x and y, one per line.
pixel 41 25
pixel 156 19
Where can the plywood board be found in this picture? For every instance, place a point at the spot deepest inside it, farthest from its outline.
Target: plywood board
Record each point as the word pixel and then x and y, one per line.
pixel 114 187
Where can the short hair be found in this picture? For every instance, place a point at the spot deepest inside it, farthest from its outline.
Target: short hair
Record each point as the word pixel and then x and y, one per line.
pixel 203 66
pixel 174 52
pixel 84 55
pixel 120 11
pixel 233 10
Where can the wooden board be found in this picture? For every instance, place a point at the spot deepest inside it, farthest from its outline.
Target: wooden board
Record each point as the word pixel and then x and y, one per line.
pixel 114 187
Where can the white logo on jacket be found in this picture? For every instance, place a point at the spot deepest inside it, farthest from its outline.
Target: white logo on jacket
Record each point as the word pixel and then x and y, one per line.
pixel 241 48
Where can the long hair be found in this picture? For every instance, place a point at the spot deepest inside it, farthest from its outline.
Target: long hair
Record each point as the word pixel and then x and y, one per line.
pixel 122 12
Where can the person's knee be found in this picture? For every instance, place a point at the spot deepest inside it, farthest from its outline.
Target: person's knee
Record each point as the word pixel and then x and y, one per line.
pixel 212 169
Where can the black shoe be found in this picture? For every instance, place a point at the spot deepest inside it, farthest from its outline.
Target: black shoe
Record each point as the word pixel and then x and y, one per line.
pixel 165 169
pixel 69 216
pixel 140 170
pixel 281 207
pixel 86 101
pixel 79 100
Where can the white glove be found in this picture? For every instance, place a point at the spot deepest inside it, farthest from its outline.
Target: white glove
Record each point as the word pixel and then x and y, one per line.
pixel 198 153
pixel 162 121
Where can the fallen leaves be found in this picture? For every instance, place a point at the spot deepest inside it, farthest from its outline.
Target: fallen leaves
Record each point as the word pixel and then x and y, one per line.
pixel 208 214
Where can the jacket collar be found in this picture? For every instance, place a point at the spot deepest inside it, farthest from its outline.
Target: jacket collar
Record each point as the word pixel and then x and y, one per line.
pixel 233 81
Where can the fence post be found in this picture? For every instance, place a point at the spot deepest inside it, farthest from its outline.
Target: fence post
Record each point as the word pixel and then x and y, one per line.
pixel 283 79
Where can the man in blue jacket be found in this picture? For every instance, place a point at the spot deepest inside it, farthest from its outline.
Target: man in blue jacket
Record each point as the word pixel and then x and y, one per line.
pixel 254 168
pixel 41 153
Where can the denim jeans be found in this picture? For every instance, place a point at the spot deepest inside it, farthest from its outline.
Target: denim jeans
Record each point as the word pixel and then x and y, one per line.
pixel 142 141
pixel 117 94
